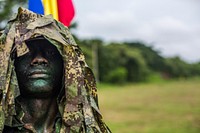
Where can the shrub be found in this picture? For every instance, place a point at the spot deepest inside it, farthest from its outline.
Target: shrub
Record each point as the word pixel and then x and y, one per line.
pixel 117 75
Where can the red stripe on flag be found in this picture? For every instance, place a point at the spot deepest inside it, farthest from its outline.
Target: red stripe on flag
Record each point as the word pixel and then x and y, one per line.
pixel 65 11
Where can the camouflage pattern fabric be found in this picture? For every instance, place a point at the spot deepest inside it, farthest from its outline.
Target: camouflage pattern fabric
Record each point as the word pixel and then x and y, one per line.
pixel 77 101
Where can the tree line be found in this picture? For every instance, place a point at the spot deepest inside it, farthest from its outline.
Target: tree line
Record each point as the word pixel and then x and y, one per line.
pixel 120 62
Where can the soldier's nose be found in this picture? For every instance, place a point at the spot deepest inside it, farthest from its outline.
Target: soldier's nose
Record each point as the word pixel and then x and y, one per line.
pixel 39 61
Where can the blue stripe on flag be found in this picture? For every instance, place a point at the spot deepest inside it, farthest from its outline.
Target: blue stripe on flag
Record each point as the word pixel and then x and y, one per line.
pixel 36 6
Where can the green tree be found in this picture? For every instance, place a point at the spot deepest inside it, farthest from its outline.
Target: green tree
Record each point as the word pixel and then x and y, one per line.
pixel 195 69
pixel 152 57
pixel 115 56
pixel 177 68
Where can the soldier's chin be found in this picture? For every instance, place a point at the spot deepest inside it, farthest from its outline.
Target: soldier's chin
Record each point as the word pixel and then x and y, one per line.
pixel 38 89
pixel 40 83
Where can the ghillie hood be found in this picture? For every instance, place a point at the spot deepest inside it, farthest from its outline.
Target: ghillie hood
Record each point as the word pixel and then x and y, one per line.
pixel 78 103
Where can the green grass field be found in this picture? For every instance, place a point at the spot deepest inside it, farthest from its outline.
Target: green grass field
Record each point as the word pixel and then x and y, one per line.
pixel 168 107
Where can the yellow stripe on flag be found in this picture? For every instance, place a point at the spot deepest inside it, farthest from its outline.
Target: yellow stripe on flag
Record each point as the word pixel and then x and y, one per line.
pixel 50 7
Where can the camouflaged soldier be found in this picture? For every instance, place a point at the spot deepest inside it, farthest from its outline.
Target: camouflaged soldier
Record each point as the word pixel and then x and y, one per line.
pixel 45 84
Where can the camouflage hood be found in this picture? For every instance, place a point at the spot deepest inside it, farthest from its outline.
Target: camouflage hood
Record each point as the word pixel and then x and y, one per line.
pixel 78 103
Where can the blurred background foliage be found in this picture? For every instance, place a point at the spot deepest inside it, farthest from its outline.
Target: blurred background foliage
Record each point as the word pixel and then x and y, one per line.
pixel 120 62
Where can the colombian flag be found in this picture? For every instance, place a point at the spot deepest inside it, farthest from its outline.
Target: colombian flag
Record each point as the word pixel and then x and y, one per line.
pixel 62 10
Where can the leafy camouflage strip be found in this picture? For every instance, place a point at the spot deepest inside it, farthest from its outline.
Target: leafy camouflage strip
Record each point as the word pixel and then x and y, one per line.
pixel 78 103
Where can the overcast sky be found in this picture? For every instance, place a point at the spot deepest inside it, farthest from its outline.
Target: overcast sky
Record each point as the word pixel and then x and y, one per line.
pixel 171 26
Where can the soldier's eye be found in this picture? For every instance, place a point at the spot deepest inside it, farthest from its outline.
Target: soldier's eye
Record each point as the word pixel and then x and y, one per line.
pixel 50 52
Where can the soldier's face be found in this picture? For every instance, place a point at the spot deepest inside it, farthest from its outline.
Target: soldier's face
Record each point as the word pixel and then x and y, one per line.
pixel 40 71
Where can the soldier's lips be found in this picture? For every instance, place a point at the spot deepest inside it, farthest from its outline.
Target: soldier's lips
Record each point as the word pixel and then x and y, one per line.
pixel 38 74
